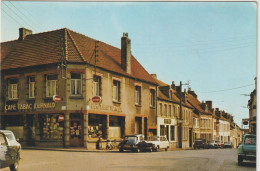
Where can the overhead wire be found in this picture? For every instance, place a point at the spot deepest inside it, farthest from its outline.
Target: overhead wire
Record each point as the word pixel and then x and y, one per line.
pixel 228 89
pixel 17 15
pixel 24 15
pixel 12 17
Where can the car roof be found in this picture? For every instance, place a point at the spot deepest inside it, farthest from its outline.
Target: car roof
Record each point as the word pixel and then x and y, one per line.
pixel 6 131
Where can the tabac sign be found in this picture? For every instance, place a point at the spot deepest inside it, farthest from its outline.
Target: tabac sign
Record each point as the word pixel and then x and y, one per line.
pixel 29 106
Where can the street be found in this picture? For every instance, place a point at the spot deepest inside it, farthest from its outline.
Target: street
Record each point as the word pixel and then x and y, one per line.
pixel 209 159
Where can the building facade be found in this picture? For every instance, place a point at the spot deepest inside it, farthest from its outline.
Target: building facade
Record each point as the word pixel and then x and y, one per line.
pixel 102 91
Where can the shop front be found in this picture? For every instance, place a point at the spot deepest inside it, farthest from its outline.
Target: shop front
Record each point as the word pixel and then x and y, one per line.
pixel 35 124
pixel 168 127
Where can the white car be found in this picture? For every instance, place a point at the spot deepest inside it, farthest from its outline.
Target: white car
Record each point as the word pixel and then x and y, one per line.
pixel 159 142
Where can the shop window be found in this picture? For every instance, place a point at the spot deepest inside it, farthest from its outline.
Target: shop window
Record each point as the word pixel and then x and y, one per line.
pixel 162 130
pixel 138 95
pixel 51 85
pixel 152 98
pixel 31 82
pixel 97 126
pixel 75 84
pixel 97 85
pixel 172 133
pixel 50 127
pixel 12 88
pixel 116 90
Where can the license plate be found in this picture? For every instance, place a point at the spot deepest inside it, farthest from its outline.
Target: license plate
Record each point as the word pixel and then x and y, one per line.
pixel 127 146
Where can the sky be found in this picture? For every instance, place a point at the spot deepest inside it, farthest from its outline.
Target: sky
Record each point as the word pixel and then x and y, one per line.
pixel 211 45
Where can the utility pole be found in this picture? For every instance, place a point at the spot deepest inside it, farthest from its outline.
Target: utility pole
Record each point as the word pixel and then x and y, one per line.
pixel 180 128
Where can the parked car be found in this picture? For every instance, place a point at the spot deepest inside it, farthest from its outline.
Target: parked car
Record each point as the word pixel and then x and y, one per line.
pixel 247 150
pixel 212 144
pixel 10 150
pixel 199 143
pixel 159 142
pixel 134 143
pixel 218 144
pixel 227 145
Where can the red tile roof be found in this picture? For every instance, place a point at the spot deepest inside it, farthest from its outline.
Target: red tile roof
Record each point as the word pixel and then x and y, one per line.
pixel 45 48
pixel 174 96
pixel 196 104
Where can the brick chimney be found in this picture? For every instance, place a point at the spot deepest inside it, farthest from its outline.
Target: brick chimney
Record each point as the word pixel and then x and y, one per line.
pixel 154 75
pixel 192 93
pixel 23 32
pixel 209 104
pixel 173 85
pixel 126 53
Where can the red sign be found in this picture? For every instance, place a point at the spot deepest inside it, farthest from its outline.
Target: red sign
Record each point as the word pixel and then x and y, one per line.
pixel 61 118
pixel 57 98
pixel 96 99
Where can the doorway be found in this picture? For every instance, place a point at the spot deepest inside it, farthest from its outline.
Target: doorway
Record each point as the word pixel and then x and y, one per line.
pixel 76 133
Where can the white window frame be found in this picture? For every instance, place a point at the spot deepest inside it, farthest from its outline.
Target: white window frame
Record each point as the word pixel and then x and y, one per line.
pixel 31 87
pixel 76 82
pixel 138 90
pixel 12 90
pixel 50 84
pixel 97 85
pixel 152 98
pixel 116 91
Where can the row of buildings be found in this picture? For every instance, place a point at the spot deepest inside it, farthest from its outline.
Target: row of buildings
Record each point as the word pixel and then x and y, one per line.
pixel 127 99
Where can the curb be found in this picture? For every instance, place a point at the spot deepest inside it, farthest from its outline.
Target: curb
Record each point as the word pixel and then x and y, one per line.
pixel 67 150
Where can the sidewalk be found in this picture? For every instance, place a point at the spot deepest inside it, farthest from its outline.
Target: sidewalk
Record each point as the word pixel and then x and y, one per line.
pixel 71 149
pixel 82 149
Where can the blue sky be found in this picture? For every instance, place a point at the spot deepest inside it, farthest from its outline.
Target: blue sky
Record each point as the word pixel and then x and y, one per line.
pixel 212 44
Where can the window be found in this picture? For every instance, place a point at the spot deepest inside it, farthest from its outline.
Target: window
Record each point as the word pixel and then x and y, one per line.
pixel 165 109
pixel 116 90
pixel 170 110
pixel 172 133
pixel 31 87
pixel 160 109
pixel 75 84
pixel 138 95
pixel 97 85
pixel 12 88
pixel 152 97
pixel 51 84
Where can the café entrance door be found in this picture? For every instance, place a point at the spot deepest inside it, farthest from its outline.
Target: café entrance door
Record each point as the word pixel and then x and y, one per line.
pixel 76 133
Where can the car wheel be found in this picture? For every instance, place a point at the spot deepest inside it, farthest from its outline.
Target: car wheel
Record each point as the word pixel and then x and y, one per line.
pixel 166 149
pixel 138 150
pixel 240 161
pixel 156 149
pixel 14 167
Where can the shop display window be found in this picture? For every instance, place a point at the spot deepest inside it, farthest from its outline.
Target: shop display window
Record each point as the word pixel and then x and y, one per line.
pixel 95 131
pixel 51 127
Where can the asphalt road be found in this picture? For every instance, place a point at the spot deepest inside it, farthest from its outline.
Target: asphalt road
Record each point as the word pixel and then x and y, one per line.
pixel 201 160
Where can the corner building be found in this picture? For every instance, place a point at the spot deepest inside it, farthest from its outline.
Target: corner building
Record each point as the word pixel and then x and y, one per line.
pixel 77 68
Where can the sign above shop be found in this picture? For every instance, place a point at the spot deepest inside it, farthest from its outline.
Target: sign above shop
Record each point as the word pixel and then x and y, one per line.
pixel 29 106
pixel 57 98
pixel 96 99
pixel 61 118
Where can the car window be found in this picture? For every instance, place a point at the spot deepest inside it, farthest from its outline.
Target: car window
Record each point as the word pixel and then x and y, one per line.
pixel 10 136
pixel 250 140
pixel 132 139
pixel 2 140
pixel 162 139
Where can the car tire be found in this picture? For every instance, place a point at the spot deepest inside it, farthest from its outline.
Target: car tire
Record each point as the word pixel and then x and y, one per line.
pixel 166 149
pixel 240 161
pixel 156 149
pixel 14 167
pixel 138 150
